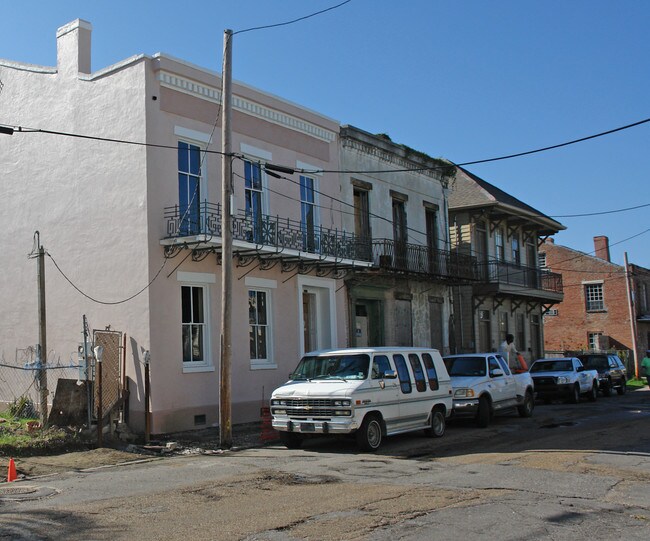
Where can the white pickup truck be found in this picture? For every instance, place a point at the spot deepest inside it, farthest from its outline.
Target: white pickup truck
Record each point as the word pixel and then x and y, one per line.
pixel 564 378
pixel 483 384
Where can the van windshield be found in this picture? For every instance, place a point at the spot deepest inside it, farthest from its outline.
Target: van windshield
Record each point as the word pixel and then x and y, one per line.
pixel 465 366
pixel 332 367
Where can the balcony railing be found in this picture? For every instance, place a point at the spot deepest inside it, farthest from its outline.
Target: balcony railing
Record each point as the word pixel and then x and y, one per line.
pixel 277 233
pixel 419 259
pixel 530 277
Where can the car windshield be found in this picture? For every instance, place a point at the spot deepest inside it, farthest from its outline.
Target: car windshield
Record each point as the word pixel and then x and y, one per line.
pixel 465 366
pixel 332 367
pixel 552 366
pixel 595 363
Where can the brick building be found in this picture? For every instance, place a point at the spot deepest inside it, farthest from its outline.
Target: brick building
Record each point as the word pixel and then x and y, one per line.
pixel 595 312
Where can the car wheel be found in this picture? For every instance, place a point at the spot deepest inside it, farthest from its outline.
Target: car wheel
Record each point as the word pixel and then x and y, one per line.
pixel 526 409
pixel 291 440
pixel 575 394
pixel 437 428
pixel 593 394
pixel 607 388
pixel 369 434
pixel 623 388
pixel 484 414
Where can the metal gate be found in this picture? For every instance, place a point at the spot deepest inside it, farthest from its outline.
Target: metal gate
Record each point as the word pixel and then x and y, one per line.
pixel 111 341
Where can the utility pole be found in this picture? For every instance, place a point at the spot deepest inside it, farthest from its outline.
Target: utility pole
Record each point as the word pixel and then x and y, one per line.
pixel 225 414
pixel 41 352
pixel 630 304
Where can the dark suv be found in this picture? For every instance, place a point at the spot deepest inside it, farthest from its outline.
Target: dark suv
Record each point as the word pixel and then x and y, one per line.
pixel 612 373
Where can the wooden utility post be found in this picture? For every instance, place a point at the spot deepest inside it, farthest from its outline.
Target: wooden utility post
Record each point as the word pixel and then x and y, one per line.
pixel 41 352
pixel 632 310
pixel 225 414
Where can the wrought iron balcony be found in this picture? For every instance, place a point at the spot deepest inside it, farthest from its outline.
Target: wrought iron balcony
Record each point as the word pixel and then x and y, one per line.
pixel 420 260
pixel 262 232
pixel 501 272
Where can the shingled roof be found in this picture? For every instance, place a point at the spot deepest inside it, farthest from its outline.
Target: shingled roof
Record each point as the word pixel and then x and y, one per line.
pixel 472 192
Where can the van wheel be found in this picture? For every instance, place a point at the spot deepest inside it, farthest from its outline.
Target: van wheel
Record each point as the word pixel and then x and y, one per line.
pixel 526 409
pixel 370 433
pixel 575 394
pixel 437 428
pixel 483 415
pixel 623 387
pixel 291 440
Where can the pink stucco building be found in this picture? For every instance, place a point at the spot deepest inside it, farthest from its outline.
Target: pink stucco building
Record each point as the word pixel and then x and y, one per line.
pixel 120 217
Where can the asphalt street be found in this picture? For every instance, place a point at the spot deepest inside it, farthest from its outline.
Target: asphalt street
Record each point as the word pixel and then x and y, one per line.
pixel 569 472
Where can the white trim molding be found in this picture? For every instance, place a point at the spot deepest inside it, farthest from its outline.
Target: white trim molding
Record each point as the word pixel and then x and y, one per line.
pixel 196 277
pixel 194 135
pixel 252 151
pixel 198 90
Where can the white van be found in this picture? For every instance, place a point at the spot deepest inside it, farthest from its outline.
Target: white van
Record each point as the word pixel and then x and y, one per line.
pixel 371 392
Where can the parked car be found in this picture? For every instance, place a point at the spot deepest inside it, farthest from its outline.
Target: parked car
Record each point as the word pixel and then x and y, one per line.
pixel 564 378
pixel 367 392
pixel 612 373
pixel 484 384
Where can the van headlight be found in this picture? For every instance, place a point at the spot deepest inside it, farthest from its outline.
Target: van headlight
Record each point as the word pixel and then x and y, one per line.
pixel 562 380
pixel 341 402
pixel 343 413
pixel 464 393
pixel 278 402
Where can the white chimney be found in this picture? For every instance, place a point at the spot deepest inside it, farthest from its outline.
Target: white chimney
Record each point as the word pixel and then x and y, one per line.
pixel 73 48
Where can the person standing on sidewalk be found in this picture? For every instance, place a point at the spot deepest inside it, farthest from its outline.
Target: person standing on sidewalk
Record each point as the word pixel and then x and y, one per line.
pixel 645 364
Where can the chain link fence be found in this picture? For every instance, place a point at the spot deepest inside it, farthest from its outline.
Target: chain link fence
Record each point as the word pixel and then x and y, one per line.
pixel 19 380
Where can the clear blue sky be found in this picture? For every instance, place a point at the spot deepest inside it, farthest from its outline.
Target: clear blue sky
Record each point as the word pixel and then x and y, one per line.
pixel 465 80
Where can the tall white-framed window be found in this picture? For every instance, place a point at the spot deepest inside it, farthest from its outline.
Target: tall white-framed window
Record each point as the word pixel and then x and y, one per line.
pixel 196 348
pixel 254 199
pixel 500 248
pixel 594 297
pixel 308 213
pixel 516 249
pixel 260 322
pixel 189 188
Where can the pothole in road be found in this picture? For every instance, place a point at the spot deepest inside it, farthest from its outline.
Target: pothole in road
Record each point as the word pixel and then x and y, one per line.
pixel 559 425
pixel 25 492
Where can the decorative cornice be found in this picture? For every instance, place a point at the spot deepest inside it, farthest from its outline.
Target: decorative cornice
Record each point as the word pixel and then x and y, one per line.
pixel 205 92
pixel 390 158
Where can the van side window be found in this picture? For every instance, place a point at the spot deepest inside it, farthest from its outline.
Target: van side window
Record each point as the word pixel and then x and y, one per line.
pixel 380 365
pixel 431 371
pixel 416 366
pixel 402 373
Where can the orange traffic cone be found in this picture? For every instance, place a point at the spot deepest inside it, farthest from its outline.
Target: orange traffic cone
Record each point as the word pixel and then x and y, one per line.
pixel 11 471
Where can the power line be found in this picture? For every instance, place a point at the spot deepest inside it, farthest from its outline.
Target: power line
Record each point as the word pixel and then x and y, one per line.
pixel 106 302
pixel 292 21
pixel 599 213
pixel 20 129
pixel 487 160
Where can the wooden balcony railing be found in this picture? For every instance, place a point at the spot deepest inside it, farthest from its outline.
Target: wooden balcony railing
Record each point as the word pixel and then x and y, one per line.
pixel 418 259
pixel 530 277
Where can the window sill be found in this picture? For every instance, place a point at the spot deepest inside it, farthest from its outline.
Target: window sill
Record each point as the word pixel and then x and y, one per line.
pixel 189 369
pixel 603 311
pixel 263 366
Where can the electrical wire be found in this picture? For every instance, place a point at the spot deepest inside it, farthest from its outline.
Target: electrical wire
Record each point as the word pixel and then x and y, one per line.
pixel 292 21
pixel 106 302
pixel 20 129
pixel 599 213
